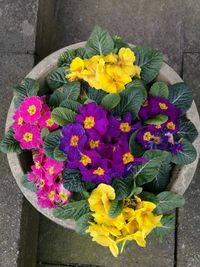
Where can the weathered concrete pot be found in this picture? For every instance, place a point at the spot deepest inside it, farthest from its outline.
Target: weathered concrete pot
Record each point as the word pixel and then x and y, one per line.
pixel 181 176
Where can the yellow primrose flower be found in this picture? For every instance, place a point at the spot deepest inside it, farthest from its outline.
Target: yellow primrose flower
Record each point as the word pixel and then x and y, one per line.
pixel 102 236
pixel 119 222
pixel 76 67
pixel 114 80
pixel 100 198
pixel 110 58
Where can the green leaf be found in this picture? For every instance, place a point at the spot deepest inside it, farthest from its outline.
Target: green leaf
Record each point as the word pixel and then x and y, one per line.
pixel 139 84
pixel 187 130
pixel 115 208
pixel 59 155
pixel 99 43
pixel 122 187
pixel 83 223
pixel 119 43
pixel 157 120
pixel 131 101
pixel 72 210
pixel 161 180
pixel 27 88
pixel 168 201
pixel 9 144
pixel 56 78
pixel 149 60
pixel 135 147
pixel 147 171
pixel 148 196
pixel 28 184
pixel 159 89
pixel 66 58
pixel 51 142
pixel 180 94
pixel 168 225
pixel 71 104
pixel 93 94
pixel 110 101
pixel 44 133
pixel 68 92
pixel 63 116
pixel 72 180
pixel 187 155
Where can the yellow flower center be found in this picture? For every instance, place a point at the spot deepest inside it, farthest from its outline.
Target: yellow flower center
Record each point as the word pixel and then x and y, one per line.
pixel 147 136
pixel 162 105
pixel 158 126
pixel 127 158
pixel 74 140
pixel 37 165
pixel 94 143
pixel 157 140
pixel 171 125
pixel 85 159
pixel 125 127
pixel 89 122
pixel 32 109
pixel 51 170
pixel 28 137
pixel 42 182
pixel 51 195
pixel 63 196
pixel 49 122
pixel 99 171
pixel 20 121
pixel 145 104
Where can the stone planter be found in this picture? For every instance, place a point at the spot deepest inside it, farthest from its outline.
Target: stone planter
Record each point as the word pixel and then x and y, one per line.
pixel 181 176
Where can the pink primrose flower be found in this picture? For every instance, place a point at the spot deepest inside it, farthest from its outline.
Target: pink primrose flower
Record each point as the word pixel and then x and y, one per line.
pixel 30 109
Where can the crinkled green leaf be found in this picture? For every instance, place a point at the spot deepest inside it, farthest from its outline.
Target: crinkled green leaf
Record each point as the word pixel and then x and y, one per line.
pixel 9 144
pixel 159 89
pixel 83 223
pixel 157 120
pixel 131 101
pixel 71 104
pixel 149 60
pixel 148 170
pixel 168 225
pixel 63 116
pixel 59 155
pixel 180 94
pixel 72 210
pixel 168 201
pixel 66 58
pixel 56 78
pixel 72 180
pixel 110 101
pixel 27 88
pixel 187 130
pixel 51 142
pixel 99 43
pixel 28 184
pixel 115 208
pixel 135 147
pixel 187 155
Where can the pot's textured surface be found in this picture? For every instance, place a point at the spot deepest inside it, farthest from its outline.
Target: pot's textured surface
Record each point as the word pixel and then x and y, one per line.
pixel 181 176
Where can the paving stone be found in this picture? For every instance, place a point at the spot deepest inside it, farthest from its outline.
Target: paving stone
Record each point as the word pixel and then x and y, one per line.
pixel 188 250
pixel 13 68
pixel 57 245
pixel 155 23
pixel 17 27
pixel 191 16
pixel 191 70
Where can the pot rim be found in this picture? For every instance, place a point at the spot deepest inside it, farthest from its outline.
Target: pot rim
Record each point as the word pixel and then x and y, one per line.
pixel 181 175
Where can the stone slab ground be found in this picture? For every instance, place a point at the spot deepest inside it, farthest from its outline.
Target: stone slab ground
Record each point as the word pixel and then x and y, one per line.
pixel 173 27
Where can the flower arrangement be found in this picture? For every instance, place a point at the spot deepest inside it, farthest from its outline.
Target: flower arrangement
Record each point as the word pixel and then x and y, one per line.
pixel 104 140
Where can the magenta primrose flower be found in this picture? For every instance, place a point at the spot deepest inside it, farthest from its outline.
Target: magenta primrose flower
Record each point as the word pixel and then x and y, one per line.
pixel 30 109
pixel 28 136
pixel 18 120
